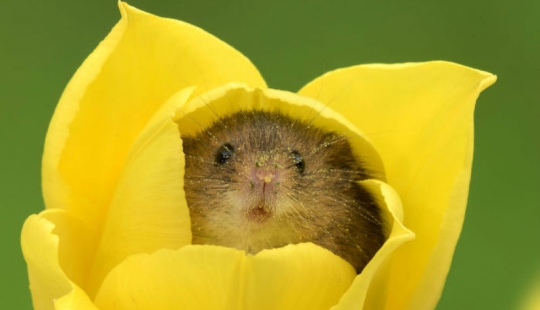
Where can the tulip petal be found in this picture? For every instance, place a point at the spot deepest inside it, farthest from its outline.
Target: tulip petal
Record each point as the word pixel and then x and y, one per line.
pixel 148 211
pixel 301 276
pixel 420 119
pixel 140 64
pixel 76 299
pixel 47 259
pixel 190 278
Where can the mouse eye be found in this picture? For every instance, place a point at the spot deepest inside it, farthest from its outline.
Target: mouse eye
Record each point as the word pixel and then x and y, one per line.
pixel 299 161
pixel 224 153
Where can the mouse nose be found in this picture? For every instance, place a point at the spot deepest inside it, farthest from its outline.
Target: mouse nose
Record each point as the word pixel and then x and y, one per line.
pixel 265 175
pixel 265 180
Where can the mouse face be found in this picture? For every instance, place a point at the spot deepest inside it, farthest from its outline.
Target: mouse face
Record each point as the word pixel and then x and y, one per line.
pixel 258 180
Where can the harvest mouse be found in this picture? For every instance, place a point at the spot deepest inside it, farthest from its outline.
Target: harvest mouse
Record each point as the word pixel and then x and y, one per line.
pixel 257 180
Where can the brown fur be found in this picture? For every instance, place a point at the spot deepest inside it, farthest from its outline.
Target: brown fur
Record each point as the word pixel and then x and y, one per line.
pixel 231 206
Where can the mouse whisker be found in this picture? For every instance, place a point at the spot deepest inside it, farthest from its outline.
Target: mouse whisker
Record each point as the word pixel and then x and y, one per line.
pixel 205 85
pixel 360 174
pixel 218 118
pixel 202 127
pixel 197 158
pixel 324 145
pixel 217 190
pixel 205 180
pixel 329 102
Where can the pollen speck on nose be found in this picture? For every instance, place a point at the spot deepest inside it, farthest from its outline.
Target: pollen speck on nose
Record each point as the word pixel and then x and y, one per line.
pixel 265 176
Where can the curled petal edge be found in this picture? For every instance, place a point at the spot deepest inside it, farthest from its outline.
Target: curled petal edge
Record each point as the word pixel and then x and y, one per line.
pixel 49 285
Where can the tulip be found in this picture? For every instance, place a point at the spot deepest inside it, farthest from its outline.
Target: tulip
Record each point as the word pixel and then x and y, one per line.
pixel 116 230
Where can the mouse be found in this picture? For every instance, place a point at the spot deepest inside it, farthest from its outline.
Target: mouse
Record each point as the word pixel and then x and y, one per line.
pixel 258 180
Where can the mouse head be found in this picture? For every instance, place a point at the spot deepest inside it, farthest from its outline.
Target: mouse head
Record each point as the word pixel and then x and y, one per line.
pixel 258 180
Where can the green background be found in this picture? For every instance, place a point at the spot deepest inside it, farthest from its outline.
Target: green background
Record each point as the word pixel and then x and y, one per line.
pixel 42 43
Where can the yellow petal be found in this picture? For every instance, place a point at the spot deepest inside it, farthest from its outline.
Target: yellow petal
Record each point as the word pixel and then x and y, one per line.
pixel 76 299
pixel 140 64
pixel 148 211
pixel 75 244
pixel 302 276
pixel 206 277
pixel 49 284
pixel 420 119
pixel 193 277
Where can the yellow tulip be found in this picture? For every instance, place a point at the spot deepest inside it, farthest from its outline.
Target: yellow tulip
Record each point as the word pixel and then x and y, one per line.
pixel 116 231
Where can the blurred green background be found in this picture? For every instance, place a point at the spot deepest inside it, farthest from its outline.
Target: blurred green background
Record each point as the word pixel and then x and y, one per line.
pixel 42 43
